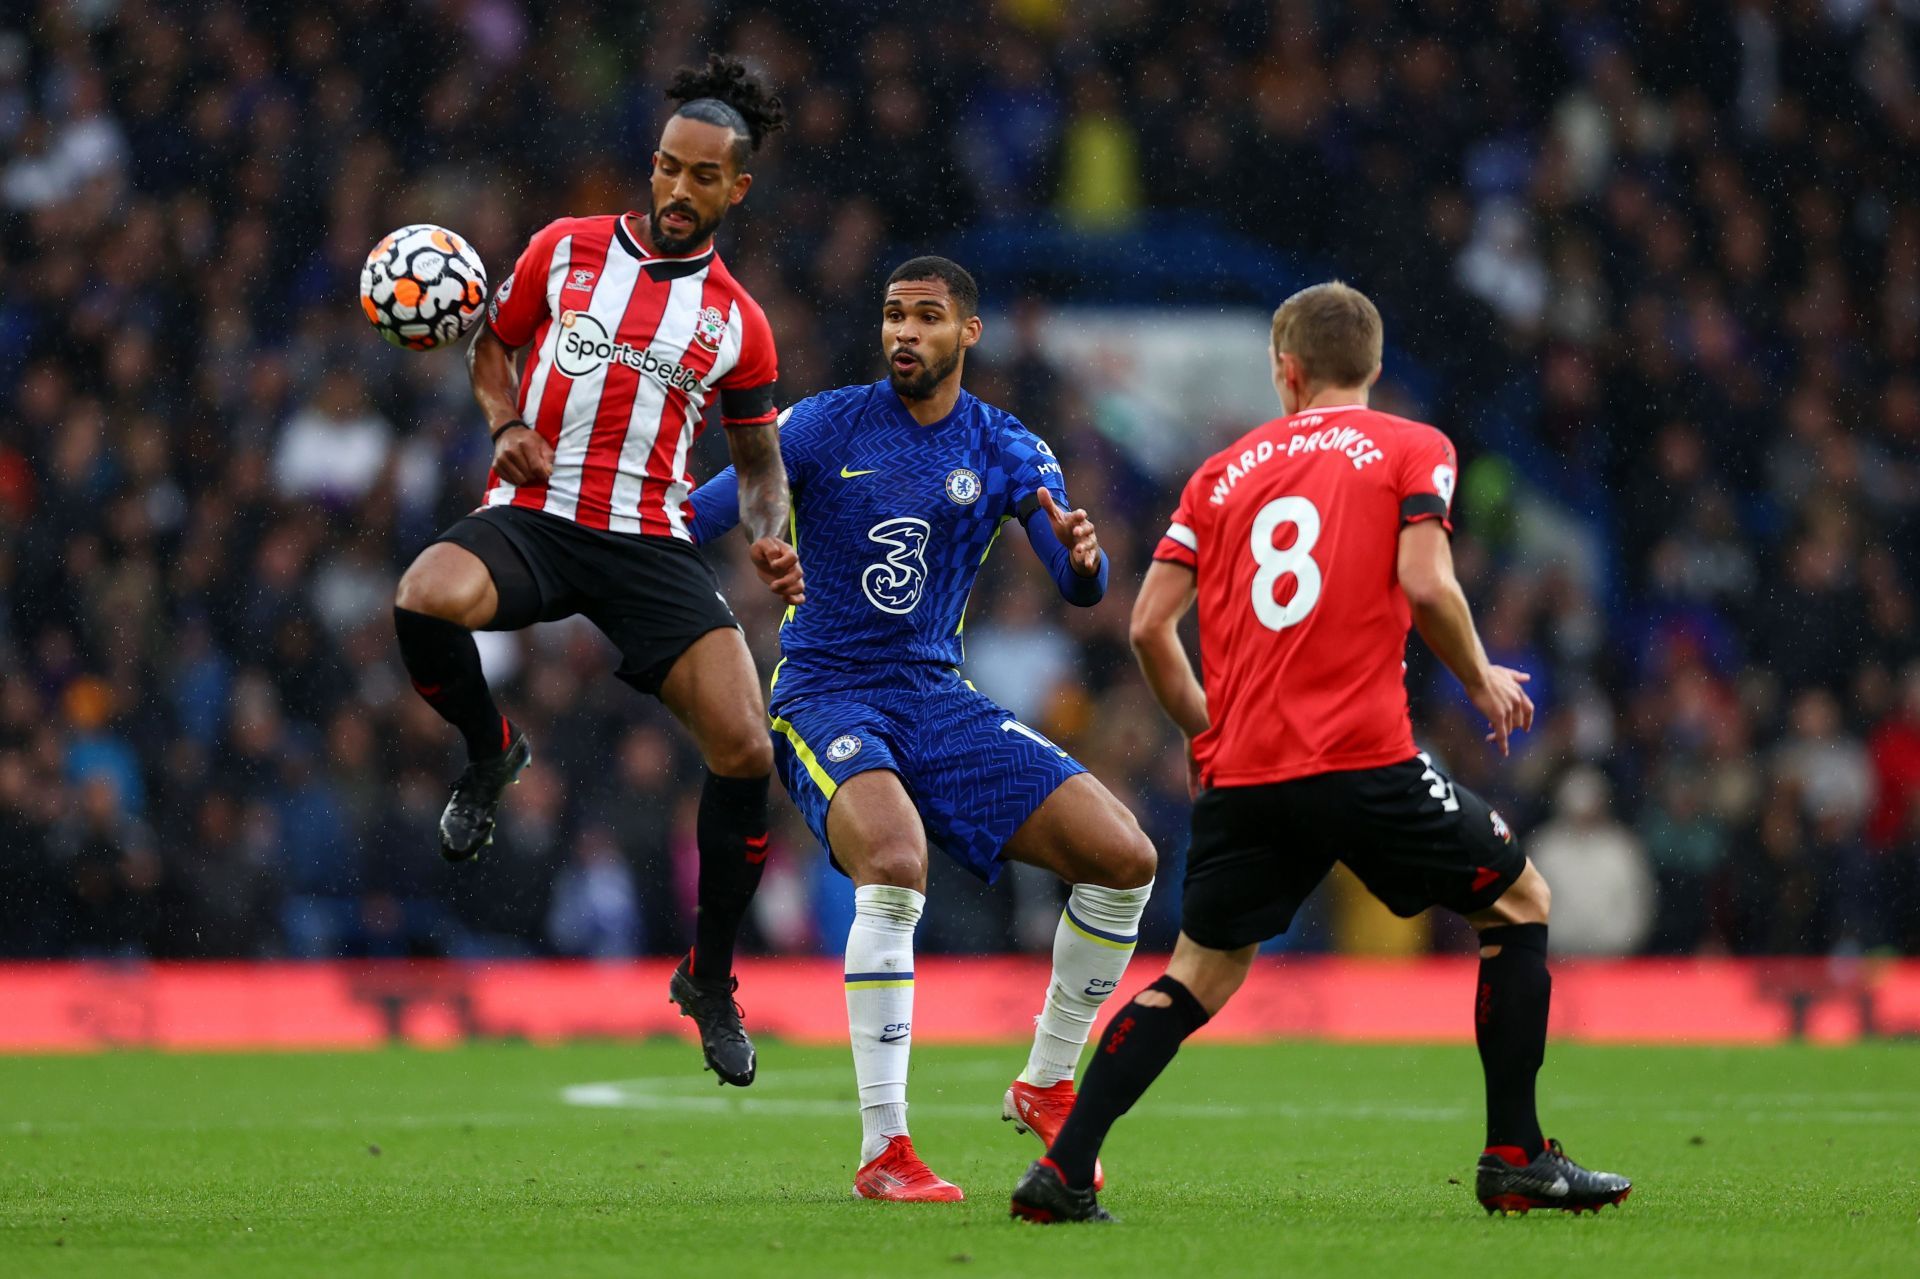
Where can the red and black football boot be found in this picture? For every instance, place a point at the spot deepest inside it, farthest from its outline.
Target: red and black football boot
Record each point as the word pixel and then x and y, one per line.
pixel 1507 1182
pixel 1043 1196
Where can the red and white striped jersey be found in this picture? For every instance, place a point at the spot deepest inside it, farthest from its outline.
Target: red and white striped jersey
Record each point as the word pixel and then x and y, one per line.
pixel 627 348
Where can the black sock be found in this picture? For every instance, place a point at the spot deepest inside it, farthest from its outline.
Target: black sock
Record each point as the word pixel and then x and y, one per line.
pixel 733 852
pixel 1510 1025
pixel 1139 1043
pixel 444 664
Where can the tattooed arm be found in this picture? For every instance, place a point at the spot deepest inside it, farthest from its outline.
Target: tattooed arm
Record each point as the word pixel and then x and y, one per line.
pixel 763 508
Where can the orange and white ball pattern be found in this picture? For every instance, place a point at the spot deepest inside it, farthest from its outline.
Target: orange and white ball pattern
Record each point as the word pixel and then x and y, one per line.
pixel 423 287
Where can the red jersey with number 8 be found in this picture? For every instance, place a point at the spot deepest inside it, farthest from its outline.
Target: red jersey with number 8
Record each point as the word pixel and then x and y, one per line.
pixel 1294 534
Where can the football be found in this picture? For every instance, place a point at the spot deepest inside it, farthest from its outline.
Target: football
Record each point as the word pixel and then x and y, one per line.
pixel 423 287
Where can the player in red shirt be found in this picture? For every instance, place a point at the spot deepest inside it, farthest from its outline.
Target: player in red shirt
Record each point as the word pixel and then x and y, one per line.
pixel 630 325
pixel 1311 544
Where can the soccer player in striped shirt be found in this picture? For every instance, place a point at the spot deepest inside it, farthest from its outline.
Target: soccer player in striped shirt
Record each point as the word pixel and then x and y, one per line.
pixel 629 326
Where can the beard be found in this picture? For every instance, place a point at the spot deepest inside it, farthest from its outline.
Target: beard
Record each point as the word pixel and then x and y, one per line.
pixel 674 246
pixel 921 383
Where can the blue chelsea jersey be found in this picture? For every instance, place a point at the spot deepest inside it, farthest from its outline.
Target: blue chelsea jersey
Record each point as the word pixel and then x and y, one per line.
pixel 893 521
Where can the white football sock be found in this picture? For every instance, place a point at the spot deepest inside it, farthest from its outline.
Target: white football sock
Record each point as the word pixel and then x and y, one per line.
pixel 1091 947
pixel 880 1007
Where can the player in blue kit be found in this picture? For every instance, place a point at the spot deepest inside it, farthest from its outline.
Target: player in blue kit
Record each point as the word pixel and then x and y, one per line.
pixel 900 489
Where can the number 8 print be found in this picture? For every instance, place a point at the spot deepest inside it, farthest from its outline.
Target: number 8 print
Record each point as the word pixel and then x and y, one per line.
pixel 1296 561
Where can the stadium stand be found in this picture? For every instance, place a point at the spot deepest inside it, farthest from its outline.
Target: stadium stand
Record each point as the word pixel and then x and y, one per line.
pixel 1679 322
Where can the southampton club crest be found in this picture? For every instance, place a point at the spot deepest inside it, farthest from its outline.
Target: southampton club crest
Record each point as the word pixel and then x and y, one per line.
pixel 963 487
pixel 844 748
pixel 709 328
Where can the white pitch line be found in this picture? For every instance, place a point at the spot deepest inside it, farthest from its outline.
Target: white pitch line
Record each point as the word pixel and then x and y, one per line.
pixel 672 1093
pixel 29 1127
pixel 662 1094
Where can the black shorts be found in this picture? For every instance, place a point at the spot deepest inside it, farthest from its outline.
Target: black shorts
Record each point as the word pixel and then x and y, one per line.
pixel 652 596
pixel 1413 837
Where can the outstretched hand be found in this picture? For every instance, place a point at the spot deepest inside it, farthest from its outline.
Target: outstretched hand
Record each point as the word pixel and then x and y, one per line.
pixel 1075 532
pixel 1505 704
pixel 779 567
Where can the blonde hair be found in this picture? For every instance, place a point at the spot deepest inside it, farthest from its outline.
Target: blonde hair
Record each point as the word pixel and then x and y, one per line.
pixel 1334 330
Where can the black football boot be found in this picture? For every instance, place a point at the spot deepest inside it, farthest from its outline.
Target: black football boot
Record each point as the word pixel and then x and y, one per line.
pixel 723 1040
pixel 466 825
pixel 1044 1196
pixel 1551 1181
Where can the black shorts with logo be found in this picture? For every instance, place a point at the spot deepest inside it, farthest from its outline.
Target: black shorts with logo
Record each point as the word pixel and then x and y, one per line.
pixel 652 596
pixel 1413 837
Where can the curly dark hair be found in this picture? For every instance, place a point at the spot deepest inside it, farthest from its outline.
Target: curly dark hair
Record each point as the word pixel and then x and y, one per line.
pixel 724 92
pixel 960 283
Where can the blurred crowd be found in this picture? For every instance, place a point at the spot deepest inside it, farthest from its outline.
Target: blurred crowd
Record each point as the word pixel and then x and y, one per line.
pixel 1661 260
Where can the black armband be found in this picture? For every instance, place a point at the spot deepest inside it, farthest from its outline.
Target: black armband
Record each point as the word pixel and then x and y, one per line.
pixel 748 406
pixel 1423 506
pixel 504 427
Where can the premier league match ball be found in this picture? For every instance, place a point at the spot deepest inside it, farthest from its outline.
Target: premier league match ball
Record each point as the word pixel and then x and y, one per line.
pixel 423 287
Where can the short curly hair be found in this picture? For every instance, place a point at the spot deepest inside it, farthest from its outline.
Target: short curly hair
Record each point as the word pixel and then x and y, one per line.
pixel 960 283
pixel 725 93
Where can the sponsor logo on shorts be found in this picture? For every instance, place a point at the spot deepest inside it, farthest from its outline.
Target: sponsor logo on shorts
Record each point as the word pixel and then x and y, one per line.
pixel 844 748
pixel 963 487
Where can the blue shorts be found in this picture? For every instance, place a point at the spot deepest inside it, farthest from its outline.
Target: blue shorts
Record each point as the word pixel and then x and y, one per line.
pixel 975 772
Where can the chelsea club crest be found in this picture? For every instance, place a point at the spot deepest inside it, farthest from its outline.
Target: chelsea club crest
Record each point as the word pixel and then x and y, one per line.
pixel 844 747
pixel 963 487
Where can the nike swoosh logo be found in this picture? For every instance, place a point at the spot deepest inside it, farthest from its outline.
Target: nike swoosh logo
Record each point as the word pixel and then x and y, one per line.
pixel 845 474
pixel 894 1039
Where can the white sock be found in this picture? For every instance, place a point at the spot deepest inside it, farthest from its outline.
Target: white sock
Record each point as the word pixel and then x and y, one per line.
pixel 1091 947
pixel 880 1007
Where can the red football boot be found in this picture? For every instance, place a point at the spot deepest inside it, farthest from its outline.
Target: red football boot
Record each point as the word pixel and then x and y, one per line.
pixel 898 1174
pixel 1041 1111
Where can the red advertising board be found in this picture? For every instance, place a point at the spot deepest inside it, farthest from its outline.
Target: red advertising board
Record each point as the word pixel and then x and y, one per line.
pixel 65 1007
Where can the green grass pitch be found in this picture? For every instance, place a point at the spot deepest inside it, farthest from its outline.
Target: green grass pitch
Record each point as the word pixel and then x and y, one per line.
pixel 627 1160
